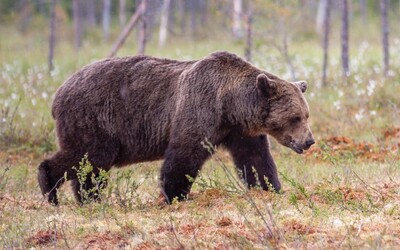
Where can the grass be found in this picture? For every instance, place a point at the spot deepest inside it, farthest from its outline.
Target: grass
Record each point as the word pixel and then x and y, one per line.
pixel 339 206
pixel 344 193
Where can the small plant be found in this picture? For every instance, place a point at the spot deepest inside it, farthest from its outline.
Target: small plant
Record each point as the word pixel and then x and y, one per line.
pixel 125 189
pixel 214 181
pixel 272 231
pixel 301 191
pixel 4 179
pixel 90 184
pixel 44 140
pixel 8 127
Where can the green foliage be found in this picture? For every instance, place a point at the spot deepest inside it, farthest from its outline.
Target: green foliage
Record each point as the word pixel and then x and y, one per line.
pixel 124 188
pixel 4 179
pixel 45 139
pixel 91 184
pixel 9 134
pixel 300 192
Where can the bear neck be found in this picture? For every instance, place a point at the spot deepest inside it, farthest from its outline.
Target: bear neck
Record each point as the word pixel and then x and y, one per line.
pixel 241 105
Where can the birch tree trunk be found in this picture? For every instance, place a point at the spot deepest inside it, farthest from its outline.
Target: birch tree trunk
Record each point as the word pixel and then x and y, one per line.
pixel 319 22
pixel 249 37
pixel 126 31
pixel 52 34
pixel 182 15
pixel 90 13
pixel 236 19
pixel 303 10
pixel 363 11
pixel 41 4
pixel 385 35
pixel 283 47
pixel 142 31
pixel 122 12
pixel 164 23
pixel 77 19
pixel 204 12
pixel 326 41
pixel 345 38
pixel 25 15
pixel 192 4
pixel 106 19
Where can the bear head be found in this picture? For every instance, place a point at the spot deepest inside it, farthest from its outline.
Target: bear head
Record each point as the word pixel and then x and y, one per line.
pixel 283 112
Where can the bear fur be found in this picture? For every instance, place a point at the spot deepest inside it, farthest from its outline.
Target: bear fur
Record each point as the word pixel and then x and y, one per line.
pixel 127 110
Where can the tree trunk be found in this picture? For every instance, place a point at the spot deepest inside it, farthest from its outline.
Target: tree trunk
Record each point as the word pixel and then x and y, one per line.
pixel 385 35
pixel 25 15
pixel 152 10
pixel 326 40
pixel 193 16
pixel 345 38
pixel 142 31
pixel 312 7
pixel 106 19
pixel 204 12
pixel 304 9
pixel 52 34
pixel 363 11
pixel 237 19
pixel 182 15
pixel 91 13
pixel 164 23
pixel 126 31
pixel 77 18
pixel 319 22
pixel 41 6
pixel 284 48
pixel 249 38
pixel 122 12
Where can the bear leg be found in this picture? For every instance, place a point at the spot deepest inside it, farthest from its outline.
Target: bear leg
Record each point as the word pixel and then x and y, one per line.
pixel 88 191
pixel 180 167
pixel 100 157
pixel 253 159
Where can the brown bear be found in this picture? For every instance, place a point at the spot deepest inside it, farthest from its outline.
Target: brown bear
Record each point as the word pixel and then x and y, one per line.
pixel 126 110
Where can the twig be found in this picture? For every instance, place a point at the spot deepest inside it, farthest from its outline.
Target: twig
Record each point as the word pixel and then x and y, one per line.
pixel 174 232
pixel 54 187
pixel 2 177
pixel 63 235
pixel 249 198
pixel 369 186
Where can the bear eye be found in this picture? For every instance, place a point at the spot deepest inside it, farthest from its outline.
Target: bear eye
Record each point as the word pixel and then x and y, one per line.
pixel 296 119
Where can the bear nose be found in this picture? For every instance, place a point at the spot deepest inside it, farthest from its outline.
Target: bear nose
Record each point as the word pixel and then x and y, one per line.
pixel 310 142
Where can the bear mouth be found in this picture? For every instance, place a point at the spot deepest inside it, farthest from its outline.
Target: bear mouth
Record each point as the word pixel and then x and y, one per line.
pixel 296 148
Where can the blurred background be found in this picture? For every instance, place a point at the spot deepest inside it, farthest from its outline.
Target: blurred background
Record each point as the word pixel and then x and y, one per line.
pixel 348 51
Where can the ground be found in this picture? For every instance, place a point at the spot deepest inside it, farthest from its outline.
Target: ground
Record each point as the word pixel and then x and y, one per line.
pixel 325 204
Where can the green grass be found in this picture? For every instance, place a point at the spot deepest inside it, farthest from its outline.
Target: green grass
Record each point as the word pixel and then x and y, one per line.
pixel 337 196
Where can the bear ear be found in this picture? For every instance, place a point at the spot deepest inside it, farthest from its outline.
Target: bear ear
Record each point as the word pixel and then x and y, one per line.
pixel 302 85
pixel 266 85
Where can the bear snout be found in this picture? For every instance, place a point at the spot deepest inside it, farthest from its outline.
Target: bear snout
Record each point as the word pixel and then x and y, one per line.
pixel 300 147
pixel 308 143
